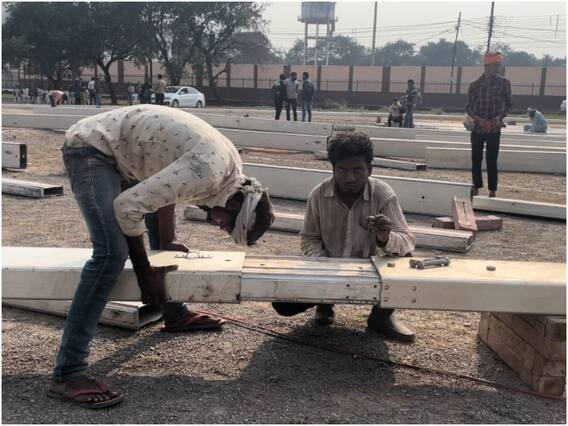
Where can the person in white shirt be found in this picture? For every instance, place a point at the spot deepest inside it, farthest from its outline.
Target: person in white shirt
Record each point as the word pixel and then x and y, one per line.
pixel 170 155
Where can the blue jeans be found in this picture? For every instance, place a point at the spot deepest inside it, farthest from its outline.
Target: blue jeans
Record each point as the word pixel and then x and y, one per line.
pixel 307 107
pixel 408 118
pixel 95 182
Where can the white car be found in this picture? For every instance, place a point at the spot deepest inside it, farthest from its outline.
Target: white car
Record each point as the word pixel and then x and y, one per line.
pixel 182 96
pixel 563 106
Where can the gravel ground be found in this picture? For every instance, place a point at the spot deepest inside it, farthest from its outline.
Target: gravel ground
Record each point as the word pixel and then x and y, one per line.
pixel 242 376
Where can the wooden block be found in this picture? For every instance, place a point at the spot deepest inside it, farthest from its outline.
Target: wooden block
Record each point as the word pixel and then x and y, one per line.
pixel 554 386
pixel 547 348
pixel 464 218
pixel 555 328
pixel 511 349
pixel 488 223
pixel 30 189
pixel 483 330
pixel 444 222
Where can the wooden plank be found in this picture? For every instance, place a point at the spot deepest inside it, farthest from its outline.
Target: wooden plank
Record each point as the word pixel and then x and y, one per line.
pixel 30 189
pixel 212 278
pixel 509 161
pixel 129 315
pixel 417 148
pixel 467 285
pixel 14 155
pixel 384 162
pixel 555 328
pixel 273 140
pixel 421 196
pixel 488 223
pixel 464 219
pixel 455 241
pixel 443 222
pixel 520 207
pixel 37 121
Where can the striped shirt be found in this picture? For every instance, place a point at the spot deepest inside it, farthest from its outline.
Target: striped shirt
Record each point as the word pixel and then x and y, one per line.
pixel 331 229
pixel 171 153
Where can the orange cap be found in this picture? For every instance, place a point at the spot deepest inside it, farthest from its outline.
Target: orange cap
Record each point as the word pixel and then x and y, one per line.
pixel 493 58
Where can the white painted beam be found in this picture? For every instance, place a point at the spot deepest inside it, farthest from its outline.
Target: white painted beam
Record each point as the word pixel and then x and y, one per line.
pixel 520 207
pixel 465 285
pixel 39 121
pixel 388 163
pixel 129 315
pixel 30 189
pixel 468 285
pixel 508 161
pixel 376 131
pixel 429 238
pixel 462 135
pixel 421 196
pixel 14 155
pixel 273 140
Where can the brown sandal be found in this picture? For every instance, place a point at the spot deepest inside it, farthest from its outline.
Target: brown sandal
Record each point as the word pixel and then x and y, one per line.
pixel 194 322
pixel 71 395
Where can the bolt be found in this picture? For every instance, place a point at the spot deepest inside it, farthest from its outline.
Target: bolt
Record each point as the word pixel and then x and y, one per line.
pixel 385 299
pixel 391 264
pixel 413 300
pixel 386 287
pixel 413 288
pixel 490 267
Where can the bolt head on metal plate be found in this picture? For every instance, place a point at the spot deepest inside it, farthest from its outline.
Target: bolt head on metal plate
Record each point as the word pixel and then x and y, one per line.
pixel 491 268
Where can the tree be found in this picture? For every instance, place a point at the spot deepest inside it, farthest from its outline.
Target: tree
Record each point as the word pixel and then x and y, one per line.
pixel 254 48
pixel 343 50
pixel 396 53
pixel 440 53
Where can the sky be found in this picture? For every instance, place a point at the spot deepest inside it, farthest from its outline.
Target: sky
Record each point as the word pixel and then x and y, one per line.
pixel 529 26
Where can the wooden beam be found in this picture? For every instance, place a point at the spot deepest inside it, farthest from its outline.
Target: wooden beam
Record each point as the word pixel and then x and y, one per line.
pixel 129 315
pixel 30 189
pixel 520 207
pixel 464 285
pixel 469 285
pixel 484 223
pixel 273 140
pixel 420 196
pixel 388 163
pixel 14 155
pixel 464 219
pixel 509 161
pixel 437 239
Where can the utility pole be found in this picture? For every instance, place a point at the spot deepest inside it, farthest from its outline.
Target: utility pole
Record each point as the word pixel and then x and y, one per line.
pixel 305 43
pixel 490 27
pixel 374 35
pixel 454 52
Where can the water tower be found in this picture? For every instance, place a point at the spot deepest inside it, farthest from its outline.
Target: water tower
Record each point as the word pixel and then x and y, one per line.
pixel 318 13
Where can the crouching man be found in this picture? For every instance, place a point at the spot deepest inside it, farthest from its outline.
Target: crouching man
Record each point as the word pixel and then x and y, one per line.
pixel 354 215
pixel 169 155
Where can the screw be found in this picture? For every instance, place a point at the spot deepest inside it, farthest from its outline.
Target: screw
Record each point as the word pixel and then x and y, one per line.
pixel 385 299
pixel 413 288
pixel 391 264
pixel 490 267
pixel 386 287
pixel 413 300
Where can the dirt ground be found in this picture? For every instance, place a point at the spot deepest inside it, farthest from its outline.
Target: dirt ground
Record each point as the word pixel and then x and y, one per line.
pixel 242 376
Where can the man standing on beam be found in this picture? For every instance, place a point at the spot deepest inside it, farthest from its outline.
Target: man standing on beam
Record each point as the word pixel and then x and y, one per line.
pixel 170 154
pixel 354 215
pixel 488 101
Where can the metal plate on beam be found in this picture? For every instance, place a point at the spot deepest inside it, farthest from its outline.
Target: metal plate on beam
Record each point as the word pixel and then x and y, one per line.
pixel 469 285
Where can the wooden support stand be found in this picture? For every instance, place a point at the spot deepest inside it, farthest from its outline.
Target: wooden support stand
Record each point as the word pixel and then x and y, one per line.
pixel 534 346
pixel 464 219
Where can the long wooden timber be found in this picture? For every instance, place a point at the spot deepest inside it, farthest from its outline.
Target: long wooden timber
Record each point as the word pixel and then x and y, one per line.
pixel 508 161
pixel 420 196
pixel 129 315
pixel 389 163
pixel 426 237
pixel 30 189
pixel 273 140
pixel 40 121
pixel 520 207
pixel 464 285
pixel 14 155
pixel 416 149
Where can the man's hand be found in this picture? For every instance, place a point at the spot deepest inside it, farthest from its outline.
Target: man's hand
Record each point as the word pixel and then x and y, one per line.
pixel 381 226
pixel 173 246
pixel 151 281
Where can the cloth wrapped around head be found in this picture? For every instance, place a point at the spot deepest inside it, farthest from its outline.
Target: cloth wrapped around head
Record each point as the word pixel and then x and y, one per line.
pixel 493 58
pixel 255 216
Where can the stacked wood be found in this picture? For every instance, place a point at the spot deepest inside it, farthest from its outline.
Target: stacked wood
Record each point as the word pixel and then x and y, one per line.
pixel 484 223
pixel 533 346
pixel 462 212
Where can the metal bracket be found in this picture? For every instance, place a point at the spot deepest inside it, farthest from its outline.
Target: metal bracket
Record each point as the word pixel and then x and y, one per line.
pixel 192 254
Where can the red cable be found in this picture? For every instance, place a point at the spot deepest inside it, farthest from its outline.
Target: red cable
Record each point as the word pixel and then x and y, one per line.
pixel 270 332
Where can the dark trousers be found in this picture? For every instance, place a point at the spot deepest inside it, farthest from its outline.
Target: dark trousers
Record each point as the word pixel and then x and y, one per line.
pixel 392 119
pixel 159 98
pixel 92 98
pixel 478 140
pixel 294 104
pixel 278 104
